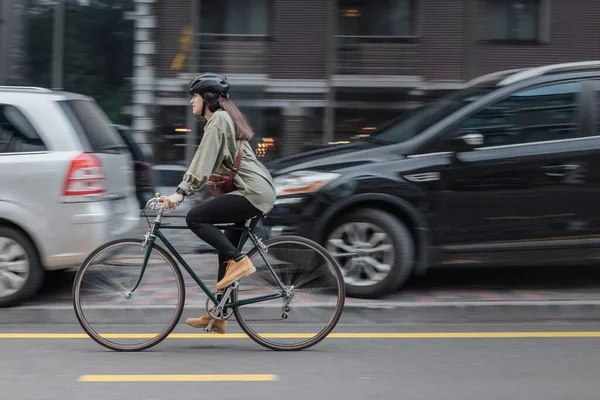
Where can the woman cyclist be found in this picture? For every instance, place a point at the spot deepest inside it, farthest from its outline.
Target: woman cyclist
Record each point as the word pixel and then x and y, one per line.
pixel 226 129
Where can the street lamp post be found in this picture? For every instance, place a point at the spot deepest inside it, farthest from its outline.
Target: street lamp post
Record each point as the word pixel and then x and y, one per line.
pixel 329 115
pixel 58 29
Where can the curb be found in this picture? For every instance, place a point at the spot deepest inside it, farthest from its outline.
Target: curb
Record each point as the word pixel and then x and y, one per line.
pixel 358 313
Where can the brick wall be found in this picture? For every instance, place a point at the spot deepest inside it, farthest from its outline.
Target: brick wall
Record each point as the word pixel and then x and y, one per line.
pixel 298 47
pixel 172 18
pixel 441 32
pixel 445 46
pixel 574 35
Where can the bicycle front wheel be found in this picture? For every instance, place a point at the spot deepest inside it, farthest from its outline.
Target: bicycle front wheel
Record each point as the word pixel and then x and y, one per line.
pixel 314 301
pixel 108 308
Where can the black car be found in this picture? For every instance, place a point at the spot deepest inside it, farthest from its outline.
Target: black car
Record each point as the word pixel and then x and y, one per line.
pixel 144 176
pixel 505 171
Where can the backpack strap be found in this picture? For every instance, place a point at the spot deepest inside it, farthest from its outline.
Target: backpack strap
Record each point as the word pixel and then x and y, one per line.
pixel 238 159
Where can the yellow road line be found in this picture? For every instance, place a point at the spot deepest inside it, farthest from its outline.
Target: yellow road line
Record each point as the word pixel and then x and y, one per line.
pixel 368 335
pixel 179 378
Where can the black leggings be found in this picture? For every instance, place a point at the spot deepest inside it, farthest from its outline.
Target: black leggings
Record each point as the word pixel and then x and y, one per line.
pixel 220 210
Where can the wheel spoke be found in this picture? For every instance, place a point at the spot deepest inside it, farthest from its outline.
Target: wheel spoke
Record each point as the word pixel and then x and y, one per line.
pixel 354 272
pixel 350 231
pixel 349 267
pixel 105 284
pixel 10 250
pixel 12 280
pixel 361 232
pixel 379 249
pixel 316 296
pixel 21 266
pixel 5 289
pixel 377 238
pixel 348 249
pixel 370 271
pixel 310 278
pixel 376 265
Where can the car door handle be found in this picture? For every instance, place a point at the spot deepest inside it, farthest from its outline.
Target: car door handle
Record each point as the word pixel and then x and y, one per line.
pixel 559 170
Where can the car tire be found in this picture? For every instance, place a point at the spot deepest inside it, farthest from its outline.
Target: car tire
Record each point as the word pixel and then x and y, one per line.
pixel 400 258
pixel 21 248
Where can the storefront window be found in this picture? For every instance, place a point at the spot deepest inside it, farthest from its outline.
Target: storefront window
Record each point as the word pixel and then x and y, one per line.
pixel 171 135
pixel 267 143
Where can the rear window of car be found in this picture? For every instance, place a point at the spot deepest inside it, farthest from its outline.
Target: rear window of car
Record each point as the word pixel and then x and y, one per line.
pixel 17 135
pixel 93 126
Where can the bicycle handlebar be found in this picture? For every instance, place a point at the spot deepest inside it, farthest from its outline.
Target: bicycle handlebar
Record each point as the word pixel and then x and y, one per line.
pixel 155 204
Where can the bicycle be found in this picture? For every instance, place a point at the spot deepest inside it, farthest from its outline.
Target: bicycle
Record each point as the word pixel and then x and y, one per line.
pixel 130 262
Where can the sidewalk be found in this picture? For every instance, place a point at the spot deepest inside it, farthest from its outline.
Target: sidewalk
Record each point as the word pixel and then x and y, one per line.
pixel 443 296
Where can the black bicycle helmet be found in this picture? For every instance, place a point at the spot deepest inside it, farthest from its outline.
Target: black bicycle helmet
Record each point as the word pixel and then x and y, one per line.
pixel 209 81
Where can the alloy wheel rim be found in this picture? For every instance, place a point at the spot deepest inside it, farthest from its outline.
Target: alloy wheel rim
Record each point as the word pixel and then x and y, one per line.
pixel 364 251
pixel 14 267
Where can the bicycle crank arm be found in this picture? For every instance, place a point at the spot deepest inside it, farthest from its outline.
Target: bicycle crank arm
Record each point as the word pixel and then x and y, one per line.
pixel 209 326
pixel 226 296
pixel 218 311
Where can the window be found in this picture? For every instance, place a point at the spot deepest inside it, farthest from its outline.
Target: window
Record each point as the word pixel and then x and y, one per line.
pixel 234 17
pixel 16 132
pixel 514 20
pixel 375 18
pixel 535 115
pixel 93 126
pixel 425 117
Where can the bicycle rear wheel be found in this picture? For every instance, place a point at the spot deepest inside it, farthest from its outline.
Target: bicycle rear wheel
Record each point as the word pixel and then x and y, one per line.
pixel 315 304
pixel 107 309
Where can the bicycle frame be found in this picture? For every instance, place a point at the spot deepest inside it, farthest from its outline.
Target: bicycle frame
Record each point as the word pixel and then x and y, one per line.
pixel 155 232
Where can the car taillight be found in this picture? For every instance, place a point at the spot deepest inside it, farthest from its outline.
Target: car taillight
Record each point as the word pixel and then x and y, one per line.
pixel 85 176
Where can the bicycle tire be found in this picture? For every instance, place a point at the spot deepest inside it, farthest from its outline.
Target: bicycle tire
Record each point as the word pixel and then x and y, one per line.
pixel 87 327
pixel 339 307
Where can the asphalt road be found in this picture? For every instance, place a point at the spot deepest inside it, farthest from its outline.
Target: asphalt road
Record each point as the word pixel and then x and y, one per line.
pixel 484 361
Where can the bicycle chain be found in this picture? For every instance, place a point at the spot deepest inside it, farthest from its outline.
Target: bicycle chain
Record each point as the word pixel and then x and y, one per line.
pixel 285 309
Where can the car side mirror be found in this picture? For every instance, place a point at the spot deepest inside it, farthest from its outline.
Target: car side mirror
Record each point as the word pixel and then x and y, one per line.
pixel 466 141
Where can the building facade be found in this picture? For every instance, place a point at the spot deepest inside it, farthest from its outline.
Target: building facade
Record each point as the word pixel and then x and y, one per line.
pixel 312 72
pixel 12 23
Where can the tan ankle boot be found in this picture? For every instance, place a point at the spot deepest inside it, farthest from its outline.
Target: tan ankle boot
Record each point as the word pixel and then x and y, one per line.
pixel 218 326
pixel 236 270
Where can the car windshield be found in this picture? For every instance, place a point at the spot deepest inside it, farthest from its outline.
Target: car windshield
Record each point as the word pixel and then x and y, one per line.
pixel 427 116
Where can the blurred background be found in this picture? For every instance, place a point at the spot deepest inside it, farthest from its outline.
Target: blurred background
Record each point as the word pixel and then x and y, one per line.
pixel 306 72
pixel 310 75
pixel 478 212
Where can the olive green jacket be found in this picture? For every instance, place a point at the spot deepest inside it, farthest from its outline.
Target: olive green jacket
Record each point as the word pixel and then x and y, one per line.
pixel 216 154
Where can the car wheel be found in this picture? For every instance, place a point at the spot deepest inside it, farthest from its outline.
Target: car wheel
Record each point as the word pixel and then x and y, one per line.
pixel 375 251
pixel 21 273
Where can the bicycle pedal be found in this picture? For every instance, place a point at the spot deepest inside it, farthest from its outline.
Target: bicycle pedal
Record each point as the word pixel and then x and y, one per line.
pixel 209 327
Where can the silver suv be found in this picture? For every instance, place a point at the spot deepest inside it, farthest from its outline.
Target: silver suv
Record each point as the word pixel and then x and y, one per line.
pixel 66 186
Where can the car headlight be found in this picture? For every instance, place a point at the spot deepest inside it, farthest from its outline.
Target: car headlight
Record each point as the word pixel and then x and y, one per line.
pixel 302 182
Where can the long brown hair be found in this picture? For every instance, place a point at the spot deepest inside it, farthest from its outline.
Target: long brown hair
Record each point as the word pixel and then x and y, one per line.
pixel 243 130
